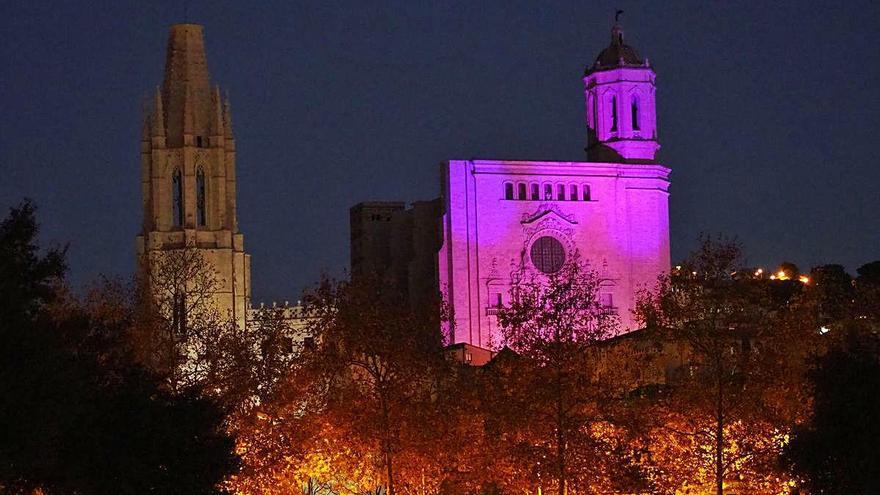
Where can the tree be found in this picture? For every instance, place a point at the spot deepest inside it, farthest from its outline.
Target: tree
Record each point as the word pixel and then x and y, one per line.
pixel 371 362
pixel 549 403
pixel 179 330
pixel 836 450
pixel 722 408
pixel 78 415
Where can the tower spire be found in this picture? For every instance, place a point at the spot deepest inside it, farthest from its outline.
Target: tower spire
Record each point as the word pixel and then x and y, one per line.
pixel 186 88
pixel 189 193
pixel 217 104
pixel 158 120
pixel 227 118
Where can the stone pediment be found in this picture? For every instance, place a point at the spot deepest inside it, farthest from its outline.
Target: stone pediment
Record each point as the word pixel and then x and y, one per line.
pixel 547 210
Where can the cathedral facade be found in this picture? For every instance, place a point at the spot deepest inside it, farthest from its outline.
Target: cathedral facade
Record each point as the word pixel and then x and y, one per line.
pixel 500 218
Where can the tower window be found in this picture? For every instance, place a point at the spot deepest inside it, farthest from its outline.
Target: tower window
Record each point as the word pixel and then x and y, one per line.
pixel 199 141
pixel 635 113
pixel 586 191
pixel 521 191
pixel 536 192
pixel 560 192
pixel 200 198
pixel 613 114
pixel 508 190
pixel 177 199
pixel 548 192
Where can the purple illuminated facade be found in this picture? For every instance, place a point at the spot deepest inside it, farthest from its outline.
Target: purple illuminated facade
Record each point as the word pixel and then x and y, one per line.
pixel 500 217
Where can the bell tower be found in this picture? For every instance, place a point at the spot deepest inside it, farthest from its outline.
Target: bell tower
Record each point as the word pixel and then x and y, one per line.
pixel 620 110
pixel 188 173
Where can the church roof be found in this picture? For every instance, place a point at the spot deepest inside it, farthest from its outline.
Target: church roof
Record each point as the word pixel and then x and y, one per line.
pixel 617 54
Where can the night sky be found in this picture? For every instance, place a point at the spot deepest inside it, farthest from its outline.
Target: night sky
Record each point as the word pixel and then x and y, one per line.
pixel 769 115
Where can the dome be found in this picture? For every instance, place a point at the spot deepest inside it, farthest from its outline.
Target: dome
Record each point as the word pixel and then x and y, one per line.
pixel 618 54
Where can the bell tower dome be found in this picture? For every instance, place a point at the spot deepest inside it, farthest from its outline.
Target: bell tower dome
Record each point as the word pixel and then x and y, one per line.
pixel 620 107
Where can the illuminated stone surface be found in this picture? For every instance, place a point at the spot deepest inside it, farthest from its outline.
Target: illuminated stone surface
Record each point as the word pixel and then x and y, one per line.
pixel 612 210
pixel 189 132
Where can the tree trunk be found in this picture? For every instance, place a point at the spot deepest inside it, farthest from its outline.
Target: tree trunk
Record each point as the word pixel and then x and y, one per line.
pixel 562 478
pixel 719 440
pixel 386 446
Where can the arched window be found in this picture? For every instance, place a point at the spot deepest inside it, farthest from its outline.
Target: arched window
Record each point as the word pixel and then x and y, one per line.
pixel 521 191
pixel 560 192
pixel 177 199
pixel 573 192
pixel 508 190
pixel 635 113
pixel 536 192
pixel 201 215
pixel 548 192
pixel 586 190
pixel 613 114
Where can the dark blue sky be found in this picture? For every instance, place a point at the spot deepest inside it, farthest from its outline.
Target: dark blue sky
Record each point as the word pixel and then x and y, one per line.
pixel 769 115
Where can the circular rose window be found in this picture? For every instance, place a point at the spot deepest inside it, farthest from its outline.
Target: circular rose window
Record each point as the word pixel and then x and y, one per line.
pixel 547 254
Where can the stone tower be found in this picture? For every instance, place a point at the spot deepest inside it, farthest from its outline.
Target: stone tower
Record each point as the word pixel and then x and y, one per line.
pixel 621 114
pixel 188 173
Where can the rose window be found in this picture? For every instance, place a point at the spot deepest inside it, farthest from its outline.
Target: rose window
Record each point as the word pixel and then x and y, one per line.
pixel 548 254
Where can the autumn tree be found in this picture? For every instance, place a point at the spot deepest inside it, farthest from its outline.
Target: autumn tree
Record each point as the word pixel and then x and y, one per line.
pixel 549 404
pixel 721 407
pixel 371 358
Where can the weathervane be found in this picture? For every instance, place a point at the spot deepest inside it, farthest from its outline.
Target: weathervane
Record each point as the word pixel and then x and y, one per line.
pixel 617 15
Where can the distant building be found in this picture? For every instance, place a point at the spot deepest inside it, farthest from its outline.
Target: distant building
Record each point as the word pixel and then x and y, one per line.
pixel 399 244
pixel 500 217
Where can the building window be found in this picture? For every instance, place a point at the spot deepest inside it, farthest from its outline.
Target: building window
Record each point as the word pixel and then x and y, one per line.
pixel 606 300
pixel 548 192
pixel 613 114
pixel 508 190
pixel 547 254
pixel 521 191
pixel 199 141
pixel 536 192
pixel 596 114
pixel 496 300
pixel 586 191
pixel 560 192
pixel 573 192
pixel 635 113
pixel 177 199
pixel 201 214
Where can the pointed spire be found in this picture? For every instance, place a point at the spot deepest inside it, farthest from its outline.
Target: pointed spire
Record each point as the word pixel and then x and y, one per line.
pixel 217 103
pixel 158 120
pixel 188 112
pixel 186 89
pixel 227 118
pixel 146 112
